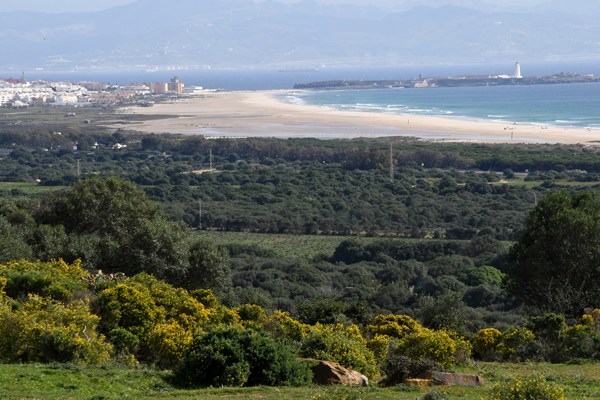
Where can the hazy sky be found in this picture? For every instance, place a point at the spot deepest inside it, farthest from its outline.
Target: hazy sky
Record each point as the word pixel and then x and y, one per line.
pixel 79 5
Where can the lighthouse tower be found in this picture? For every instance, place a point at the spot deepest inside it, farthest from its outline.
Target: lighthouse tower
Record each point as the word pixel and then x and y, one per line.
pixel 518 71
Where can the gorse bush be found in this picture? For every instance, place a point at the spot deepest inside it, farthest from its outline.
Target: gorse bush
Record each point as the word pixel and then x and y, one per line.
pixel 56 279
pixel 396 326
pixel 239 357
pixel 130 307
pixel 486 343
pixel 438 346
pixel 514 343
pixel 532 388
pixel 45 330
pixel 342 344
pixel 167 343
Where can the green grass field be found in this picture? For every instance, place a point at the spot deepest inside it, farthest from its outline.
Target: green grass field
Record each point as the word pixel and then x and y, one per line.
pixel 288 245
pixel 26 188
pixel 57 381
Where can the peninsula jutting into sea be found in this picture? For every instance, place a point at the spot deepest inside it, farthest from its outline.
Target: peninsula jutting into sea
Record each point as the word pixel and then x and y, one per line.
pixel 453 81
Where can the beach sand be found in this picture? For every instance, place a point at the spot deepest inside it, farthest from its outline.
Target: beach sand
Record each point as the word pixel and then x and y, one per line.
pixel 261 114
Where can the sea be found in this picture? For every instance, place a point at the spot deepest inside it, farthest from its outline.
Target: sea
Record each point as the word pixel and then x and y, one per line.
pixel 573 105
pixel 564 105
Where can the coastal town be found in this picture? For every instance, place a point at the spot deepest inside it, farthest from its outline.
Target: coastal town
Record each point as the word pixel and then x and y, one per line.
pixel 19 93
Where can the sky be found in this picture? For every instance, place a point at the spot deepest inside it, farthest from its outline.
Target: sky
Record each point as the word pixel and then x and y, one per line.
pixel 59 5
pixel 82 6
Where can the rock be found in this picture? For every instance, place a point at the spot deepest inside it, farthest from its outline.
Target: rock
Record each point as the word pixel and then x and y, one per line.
pixel 446 378
pixel 423 383
pixel 330 373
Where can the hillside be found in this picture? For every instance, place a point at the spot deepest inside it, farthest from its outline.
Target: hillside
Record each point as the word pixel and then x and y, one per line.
pixel 242 33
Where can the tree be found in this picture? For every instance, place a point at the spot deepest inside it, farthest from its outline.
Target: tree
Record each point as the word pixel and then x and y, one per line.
pixel 555 265
pixel 208 267
pixel 133 235
pixel 128 233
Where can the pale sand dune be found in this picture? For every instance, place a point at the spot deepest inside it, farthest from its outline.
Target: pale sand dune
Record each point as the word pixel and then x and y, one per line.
pixel 260 114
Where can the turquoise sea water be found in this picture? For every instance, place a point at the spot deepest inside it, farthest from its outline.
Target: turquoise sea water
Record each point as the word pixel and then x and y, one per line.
pixel 576 105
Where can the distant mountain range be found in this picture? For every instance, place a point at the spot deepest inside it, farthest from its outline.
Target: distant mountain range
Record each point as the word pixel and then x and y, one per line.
pixel 156 34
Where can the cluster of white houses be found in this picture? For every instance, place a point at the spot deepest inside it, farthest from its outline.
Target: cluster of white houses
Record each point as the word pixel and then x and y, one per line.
pixel 20 93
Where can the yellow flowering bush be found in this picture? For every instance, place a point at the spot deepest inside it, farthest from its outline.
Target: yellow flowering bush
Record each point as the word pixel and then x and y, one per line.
pixel 167 343
pixel 437 346
pixel 592 320
pixel 2 288
pixel 396 326
pixel 486 343
pixel 380 345
pixel 530 388
pixel 282 326
pixel 46 330
pixel 206 297
pixel 175 303
pixel 130 307
pixel 578 340
pixel 252 316
pixel 223 316
pixel 55 279
pixel 342 344
pixel 513 341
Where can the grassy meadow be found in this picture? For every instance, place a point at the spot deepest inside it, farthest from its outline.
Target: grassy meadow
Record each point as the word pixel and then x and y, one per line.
pixel 66 381
pixel 287 246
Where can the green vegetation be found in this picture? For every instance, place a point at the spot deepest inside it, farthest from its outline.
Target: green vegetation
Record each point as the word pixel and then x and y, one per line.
pixel 60 381
pixel 528 388
pixel 286 246
pixel 308 249
pixel 110 225
pixel 556 260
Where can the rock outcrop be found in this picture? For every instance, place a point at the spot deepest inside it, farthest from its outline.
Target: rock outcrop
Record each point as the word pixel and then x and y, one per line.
pixel 330 373
pixel 446 378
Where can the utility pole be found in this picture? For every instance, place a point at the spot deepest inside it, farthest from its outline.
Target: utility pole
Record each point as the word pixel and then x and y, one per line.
pixel 78 170
pixel 210 158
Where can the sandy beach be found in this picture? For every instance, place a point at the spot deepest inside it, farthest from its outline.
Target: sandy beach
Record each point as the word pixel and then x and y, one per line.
pixel 261 114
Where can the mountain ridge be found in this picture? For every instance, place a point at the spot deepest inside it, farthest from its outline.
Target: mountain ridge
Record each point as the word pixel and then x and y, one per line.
pixel 242 33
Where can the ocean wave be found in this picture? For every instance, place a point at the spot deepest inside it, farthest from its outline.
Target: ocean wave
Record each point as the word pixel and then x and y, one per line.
pixel 295 100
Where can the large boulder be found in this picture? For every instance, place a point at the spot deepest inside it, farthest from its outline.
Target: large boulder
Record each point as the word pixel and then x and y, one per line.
pixel 446 378
pixel 330 373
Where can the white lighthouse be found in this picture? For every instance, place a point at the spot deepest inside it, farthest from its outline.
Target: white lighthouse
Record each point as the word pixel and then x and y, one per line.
pixel 518 71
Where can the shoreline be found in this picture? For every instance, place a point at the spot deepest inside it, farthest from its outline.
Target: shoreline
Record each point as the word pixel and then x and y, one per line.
pixel 261 114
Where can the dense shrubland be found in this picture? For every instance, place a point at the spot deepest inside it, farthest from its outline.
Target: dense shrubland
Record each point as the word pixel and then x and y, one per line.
pixel 138 286
pixel 96 319
pixel 311 186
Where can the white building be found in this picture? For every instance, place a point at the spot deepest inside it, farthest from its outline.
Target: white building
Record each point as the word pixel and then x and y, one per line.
pixel 65 98
pixel 518 71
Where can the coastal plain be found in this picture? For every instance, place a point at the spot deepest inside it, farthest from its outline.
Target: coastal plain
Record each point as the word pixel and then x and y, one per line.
pixel 238 114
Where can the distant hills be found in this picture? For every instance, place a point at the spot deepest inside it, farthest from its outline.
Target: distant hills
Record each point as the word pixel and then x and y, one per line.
pixel 155 34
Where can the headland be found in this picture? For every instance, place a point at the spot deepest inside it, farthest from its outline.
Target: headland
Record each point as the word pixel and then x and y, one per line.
pixel 453 81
